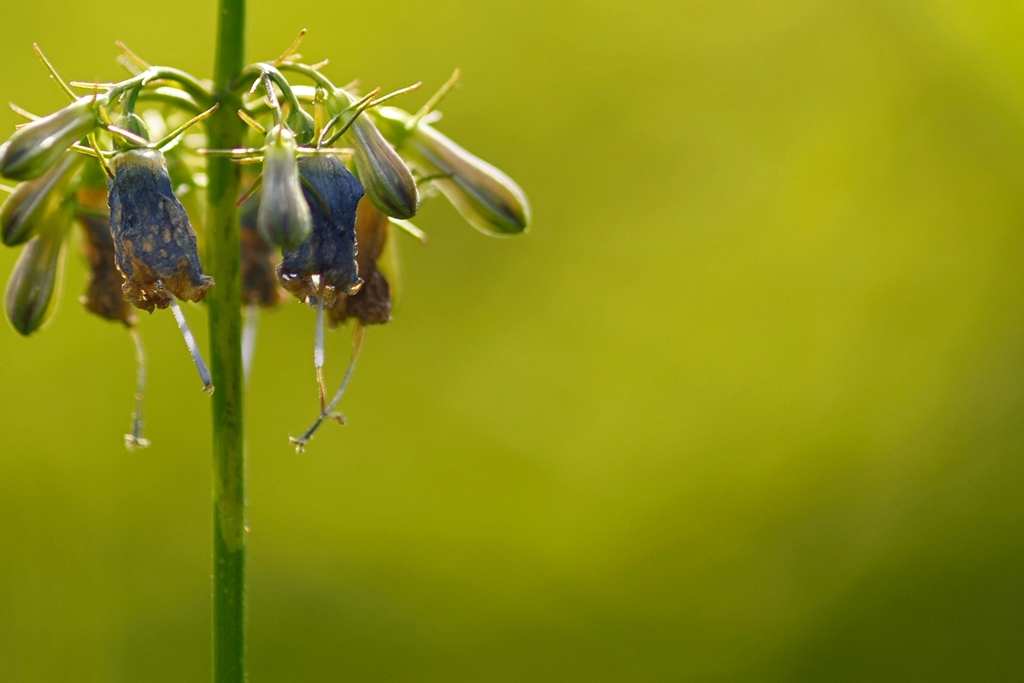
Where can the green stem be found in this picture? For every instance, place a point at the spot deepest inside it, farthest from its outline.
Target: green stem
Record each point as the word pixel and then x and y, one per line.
pixel 226 131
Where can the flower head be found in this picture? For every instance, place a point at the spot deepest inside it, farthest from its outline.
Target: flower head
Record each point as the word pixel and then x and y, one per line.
pixel 37 146
pixel 325 264
pixel 103 295
pixel 154 244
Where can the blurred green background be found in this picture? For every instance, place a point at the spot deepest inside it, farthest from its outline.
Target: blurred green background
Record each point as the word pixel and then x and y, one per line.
pixel 745 405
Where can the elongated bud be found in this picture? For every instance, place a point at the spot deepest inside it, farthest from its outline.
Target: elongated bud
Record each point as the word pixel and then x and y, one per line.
pixel 388 182
pixel 488 199
pixel 38 145
pixel 283 217
pixel 34 278
pixel 27 207
pixel 371 305
pixel 324 266
pixel 154 244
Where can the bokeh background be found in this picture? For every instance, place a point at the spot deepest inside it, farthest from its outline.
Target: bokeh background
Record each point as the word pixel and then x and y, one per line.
pixel 745 405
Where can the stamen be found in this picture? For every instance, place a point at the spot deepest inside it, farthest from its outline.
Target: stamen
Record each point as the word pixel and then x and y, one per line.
pixel 252 313
pixel 357 345
pixel 135 440
pixel 193 347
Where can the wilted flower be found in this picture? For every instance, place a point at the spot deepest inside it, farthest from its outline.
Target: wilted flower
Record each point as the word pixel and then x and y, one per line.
pixel 154 243
pixel 389 183
pixel 283 217
pixel 371 305
pixel 487 198
pixel 34 278
pixel 103 295
pixel 27 207
pixel 259 281
pixel 36 146
pixel 324 266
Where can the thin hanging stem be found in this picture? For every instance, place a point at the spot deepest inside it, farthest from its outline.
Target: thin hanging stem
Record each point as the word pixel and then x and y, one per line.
pixel 226 131
pixel 135 440
pixel 328 411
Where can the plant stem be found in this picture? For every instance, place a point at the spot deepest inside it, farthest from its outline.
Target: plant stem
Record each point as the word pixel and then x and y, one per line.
pixel 229 513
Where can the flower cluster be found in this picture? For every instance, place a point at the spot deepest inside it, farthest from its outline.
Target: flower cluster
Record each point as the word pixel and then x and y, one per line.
pixel 338 175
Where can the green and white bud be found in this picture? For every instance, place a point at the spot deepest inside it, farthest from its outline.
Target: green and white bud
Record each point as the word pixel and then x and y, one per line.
pixel 37 146
pixel 34 278
pixel 283 218
pixel 487 198
pixel 30 203
pixel 387 180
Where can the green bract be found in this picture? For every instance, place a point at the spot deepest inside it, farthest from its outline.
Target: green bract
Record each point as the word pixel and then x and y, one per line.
pixel 38 145
pixel 487 198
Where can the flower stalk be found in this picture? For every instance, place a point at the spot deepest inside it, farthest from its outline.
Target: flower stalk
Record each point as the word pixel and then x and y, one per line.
pixel 226 131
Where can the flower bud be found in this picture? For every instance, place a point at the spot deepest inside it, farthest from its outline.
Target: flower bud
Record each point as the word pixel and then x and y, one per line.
pixel 27 207
pixel 154 244
pixel 34 278
pixel 302 124
pixel 488 199
pixel 325 265
pixel 36 146
pixel 389 183
pixel 371 305
pixel 283 217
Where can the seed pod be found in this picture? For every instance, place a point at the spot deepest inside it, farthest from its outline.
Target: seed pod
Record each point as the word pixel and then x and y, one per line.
pixel 389 183
pixel 488 199
pixel 154 244
pixel 283 217
pixel 371 305
pixel 38 145
pixel 27 207
pixel 325 264
pixel 259 283
pixel 34 278
pixel 103 294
